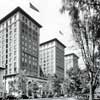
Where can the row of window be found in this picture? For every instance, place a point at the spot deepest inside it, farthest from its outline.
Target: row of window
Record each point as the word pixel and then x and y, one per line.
pixel 12 69
pixel 29 23
pixel 8 22
pixel 33 36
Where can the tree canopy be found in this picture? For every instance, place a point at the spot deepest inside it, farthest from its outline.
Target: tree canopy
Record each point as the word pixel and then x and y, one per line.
pixel 85 22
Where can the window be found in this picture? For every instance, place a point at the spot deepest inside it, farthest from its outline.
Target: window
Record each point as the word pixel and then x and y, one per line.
pixel 10 33
pixel 15 47
pixel 15 58
pixel 15 30
pixel 6 45
pixel 2 25
pixel 9 65
pixel 23 59
pixel 22 48
pixel 15 64
pixel 29 46
pixel 29 62
pixel 15 35
pixel 15 17
pixel 10 54
pixel 10 20
pixel 10 27
pixel 14 52
pixel 26 38
pixel 15 24
pixel 22 30
pixel 23 18
pixel 15 41
pixel 25 44
pixel 15 70
pixel 22 36
pixel 9 70
pixel 30 23
pixel 6 35
pixel 10 49
pixel 26 20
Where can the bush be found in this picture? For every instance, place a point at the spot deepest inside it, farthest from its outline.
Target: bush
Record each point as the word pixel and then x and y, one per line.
pixel 61 94
pixel 35 95
pixel 50 95
pixel 24 97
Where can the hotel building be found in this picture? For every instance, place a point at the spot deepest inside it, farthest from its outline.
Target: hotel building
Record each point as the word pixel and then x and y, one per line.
pixel 52 58
pixel 70 60
pixel 19 44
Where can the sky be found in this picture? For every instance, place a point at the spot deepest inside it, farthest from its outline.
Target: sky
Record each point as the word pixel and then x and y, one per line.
pixel 50 18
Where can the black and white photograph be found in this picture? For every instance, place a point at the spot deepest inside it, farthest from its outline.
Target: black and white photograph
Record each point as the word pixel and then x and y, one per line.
pixel 49 49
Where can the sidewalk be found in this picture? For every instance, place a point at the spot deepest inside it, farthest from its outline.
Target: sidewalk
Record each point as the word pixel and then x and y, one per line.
pixel 60 98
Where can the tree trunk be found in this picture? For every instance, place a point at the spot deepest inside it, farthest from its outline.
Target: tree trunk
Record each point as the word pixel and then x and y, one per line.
pixel 91 93
pixel 91 88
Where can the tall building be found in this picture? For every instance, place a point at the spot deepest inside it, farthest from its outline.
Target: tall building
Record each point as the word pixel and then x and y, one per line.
pixel 70 60
pixel 52 58
pixel 19 43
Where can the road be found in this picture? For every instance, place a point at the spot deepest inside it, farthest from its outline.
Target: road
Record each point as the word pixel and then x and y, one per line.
pixel 61 98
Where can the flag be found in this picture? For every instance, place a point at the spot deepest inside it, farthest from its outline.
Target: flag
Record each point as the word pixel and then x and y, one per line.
pixel 33 7
pixel 61 32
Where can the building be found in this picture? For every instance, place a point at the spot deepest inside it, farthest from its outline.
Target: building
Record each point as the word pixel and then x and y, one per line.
pixel 70 60
pixel 19 44
pixel 52 58
pixel 2 89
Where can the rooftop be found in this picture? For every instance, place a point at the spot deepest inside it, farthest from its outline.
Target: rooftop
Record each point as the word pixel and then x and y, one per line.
pixel 18 9
pixel 55 39
pixel 71 54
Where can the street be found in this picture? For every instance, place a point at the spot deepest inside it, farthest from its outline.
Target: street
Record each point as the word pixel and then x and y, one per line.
pixel 61 98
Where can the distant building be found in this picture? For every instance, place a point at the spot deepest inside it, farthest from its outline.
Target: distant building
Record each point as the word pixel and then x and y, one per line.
pixel 70 60
pixel 52 58
pixel 19 44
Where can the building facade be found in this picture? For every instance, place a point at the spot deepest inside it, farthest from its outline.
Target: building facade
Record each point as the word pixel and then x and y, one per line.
pixel 19 43
pixel 52 58
pixel 70 60
pixel 2 87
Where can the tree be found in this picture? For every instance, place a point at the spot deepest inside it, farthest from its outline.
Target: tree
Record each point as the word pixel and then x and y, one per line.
pixel 85 22
pixel 13 87
pixel 53 85
pixel 73 82
pixel 22 80
pixel 57 85
pixel 48 86
pixel 35 88
pixel 30 88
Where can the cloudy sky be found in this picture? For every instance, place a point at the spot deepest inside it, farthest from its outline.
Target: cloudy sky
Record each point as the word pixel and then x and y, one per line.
pixel 49 17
